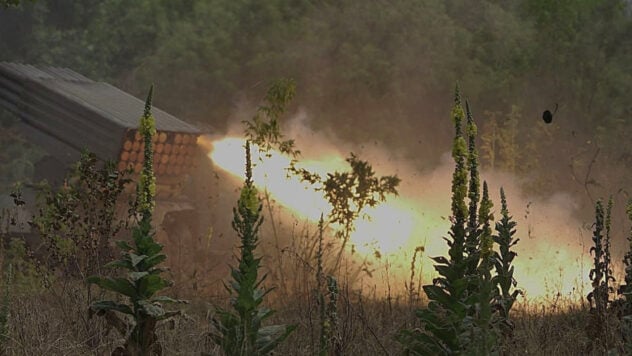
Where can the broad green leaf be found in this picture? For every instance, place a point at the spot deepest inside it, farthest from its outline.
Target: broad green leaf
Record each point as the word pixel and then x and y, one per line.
pixel 438 294
pixel 154 260
pixel 123 245
pixel 422 344
pixel 269 337
pixel 441 259
pixel 118 285
pixel 136 259
pixel 111 305
pixel 170 314
pixel 152 283
pixel 152 309
pixel 165 299
pixel 135 276
pixel 120 264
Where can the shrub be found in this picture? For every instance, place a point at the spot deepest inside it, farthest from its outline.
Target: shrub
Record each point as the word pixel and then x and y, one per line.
pixel 78 221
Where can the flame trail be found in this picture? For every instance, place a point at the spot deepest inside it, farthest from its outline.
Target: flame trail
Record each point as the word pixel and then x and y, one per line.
pixel 399 225
pixel 390 226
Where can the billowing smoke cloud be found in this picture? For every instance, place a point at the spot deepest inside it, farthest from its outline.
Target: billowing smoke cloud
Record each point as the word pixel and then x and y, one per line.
pixel 552 252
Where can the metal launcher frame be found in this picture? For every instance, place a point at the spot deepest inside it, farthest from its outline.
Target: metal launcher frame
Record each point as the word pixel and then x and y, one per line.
pixel 65 113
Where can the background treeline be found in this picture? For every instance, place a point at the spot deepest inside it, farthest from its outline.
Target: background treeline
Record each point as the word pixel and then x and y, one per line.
pixel 387 67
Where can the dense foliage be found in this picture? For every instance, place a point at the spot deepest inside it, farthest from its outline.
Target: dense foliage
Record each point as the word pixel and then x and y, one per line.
pixel 358 62
pixel 78 221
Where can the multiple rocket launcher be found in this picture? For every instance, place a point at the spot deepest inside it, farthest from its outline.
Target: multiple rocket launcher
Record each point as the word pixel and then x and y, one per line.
pixel 68 112
pixel 173 152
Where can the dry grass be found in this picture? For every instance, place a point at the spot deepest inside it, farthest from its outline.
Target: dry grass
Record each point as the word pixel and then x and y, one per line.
pixel 55 322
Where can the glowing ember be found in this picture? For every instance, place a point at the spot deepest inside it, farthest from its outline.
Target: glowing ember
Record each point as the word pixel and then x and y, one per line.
pixel 545 266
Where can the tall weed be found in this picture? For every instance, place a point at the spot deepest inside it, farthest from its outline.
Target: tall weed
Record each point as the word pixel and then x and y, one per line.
pixel 241 331
pixel 141 260
pixel 464 301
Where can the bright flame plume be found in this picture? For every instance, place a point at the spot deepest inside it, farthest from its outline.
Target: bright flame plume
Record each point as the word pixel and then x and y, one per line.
pixel 399 225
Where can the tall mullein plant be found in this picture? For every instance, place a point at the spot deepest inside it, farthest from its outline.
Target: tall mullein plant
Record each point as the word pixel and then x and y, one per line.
pixel 598 297
pixel 476 220
pixel 601 276
pixel 486 242
pixel 483 333
pixel 481 292
pixel 241 331
pixel 609 279
pixel 503 264
pixel 445 330
pixel 472 240
pixel 146 188
pixel 459 191
pixel 141 260
pixel 626 289
pixel 461 313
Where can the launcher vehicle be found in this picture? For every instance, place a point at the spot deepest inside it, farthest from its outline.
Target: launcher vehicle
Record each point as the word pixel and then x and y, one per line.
pixel 65 113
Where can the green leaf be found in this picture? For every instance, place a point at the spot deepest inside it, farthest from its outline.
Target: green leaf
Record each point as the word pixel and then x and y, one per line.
pixel 152 309
pixel 438 294
pixel 118 285
pixel 151 284
pixel 165 299
pixel 111 305
pixel 269 337
pixel 264 313
pixel 154 260
pixel 123 245
pixel 441 260
pixel 419 343
pixel 135 276
pixel 145 242
pixel 127 264
pixel 136 259
pixel 170 314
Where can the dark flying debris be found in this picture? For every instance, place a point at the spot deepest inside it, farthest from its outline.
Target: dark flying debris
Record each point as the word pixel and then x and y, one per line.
pixel 547 116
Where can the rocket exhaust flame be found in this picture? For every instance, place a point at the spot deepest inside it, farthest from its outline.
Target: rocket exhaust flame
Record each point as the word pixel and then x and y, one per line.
pixel 544 267
pixel 376 230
